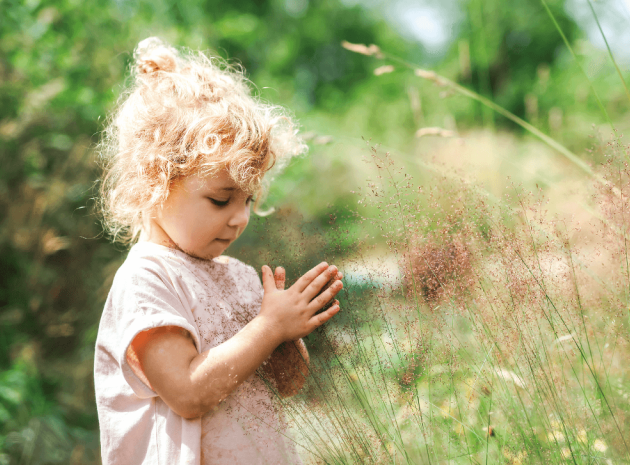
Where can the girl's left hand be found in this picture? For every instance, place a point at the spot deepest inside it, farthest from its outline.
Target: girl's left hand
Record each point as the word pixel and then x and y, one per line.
pixel 280 275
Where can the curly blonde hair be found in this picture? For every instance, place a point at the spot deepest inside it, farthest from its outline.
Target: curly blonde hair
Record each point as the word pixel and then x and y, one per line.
pixel 185 113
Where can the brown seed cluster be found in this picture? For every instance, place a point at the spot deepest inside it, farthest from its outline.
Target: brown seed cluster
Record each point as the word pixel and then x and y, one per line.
pixel 435 269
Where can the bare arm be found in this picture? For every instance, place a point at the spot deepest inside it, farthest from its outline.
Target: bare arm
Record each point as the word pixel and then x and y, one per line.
pixel 191 384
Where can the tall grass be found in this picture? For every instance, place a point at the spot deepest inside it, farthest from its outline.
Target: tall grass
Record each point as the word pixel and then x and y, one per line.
pixel 442 81
pixel 498 336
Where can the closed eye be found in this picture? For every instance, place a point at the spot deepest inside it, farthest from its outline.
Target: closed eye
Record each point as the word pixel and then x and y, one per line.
pixel 219 203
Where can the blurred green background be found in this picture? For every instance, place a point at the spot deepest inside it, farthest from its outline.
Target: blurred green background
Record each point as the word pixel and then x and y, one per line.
pixel 63 64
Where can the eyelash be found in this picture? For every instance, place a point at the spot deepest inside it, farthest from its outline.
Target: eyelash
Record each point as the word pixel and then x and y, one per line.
pixel 223 203
pixel 219 203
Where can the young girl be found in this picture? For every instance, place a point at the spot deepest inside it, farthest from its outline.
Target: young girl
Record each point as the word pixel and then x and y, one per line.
pixel 185 329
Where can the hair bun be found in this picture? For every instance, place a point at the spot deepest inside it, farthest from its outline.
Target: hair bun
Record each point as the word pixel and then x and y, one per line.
pixel 152 55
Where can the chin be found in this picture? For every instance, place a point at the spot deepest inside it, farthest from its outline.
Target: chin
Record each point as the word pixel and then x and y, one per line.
pixel 217 252
pixel 199 254
pixel 211 252
pixel 204 256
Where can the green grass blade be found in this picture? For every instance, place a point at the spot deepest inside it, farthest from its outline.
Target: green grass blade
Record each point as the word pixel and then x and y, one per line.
pixel 623 81
pixel 566 42
pixel 445 82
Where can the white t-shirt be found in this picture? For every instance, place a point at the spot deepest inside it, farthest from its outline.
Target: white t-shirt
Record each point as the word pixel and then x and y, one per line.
pixel 212 300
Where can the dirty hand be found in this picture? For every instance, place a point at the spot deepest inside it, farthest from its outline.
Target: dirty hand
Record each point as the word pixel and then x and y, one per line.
pixel 292 313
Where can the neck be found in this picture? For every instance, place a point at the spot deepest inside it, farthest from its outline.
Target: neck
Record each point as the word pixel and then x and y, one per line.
pixel 153 232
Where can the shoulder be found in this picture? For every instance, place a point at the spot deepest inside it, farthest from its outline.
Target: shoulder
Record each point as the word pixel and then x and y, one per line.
pixel 147 292
pixel 138 265
pixel 147 270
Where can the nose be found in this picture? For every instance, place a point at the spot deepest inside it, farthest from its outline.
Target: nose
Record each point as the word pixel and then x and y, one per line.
pixel 240 217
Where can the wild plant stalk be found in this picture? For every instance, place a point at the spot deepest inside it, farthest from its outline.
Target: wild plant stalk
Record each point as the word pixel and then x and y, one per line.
pixel 476 15
pixel 365 403
pixel 578 345
pixel 568 45
pixel 508 293
pixel 442 81
pixel 610 53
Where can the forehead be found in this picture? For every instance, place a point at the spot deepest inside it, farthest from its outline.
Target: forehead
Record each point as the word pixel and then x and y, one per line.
pixel 218 182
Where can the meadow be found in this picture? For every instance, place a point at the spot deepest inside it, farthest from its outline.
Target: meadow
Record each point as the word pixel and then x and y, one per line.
pixel 476 328
pixel 485 317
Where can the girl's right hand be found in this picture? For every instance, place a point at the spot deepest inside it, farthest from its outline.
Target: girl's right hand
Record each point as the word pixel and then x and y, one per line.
pixel 291 313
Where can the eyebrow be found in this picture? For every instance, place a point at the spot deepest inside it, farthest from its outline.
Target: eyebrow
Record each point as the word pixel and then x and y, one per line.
pixel 226 189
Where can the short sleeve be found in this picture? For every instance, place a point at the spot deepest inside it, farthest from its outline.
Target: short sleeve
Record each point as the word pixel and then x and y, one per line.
pixel 143 297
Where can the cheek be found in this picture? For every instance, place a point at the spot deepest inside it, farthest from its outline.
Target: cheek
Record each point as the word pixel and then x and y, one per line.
pixel 190 226
pixel 246 222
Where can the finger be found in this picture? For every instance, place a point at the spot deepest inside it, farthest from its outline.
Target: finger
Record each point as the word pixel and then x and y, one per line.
pixel 269 284
pixel 280 277
pixel 323 317
pixel 325 297
pixel 308 277
pixel 320 283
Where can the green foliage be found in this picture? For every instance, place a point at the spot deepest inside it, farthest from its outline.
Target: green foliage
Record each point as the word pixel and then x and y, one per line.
pixel 62 67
